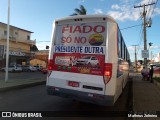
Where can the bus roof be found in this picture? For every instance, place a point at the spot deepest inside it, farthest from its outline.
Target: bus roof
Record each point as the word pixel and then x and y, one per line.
pixel 86 16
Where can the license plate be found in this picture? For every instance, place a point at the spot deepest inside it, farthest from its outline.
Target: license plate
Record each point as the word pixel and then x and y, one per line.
pixel 73 84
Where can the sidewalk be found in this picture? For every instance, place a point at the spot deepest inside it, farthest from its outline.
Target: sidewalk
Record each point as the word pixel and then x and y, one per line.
pixel 146 95
pixel 20 83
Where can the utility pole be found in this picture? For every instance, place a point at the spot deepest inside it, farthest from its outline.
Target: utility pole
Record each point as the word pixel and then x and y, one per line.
pixel 151 56
pixel 144 28
pixel 135 57
pixel 7 50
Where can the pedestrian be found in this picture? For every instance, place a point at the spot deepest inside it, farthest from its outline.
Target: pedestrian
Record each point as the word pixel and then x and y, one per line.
pixel 143 73
pixel 151 74
pixel 148 74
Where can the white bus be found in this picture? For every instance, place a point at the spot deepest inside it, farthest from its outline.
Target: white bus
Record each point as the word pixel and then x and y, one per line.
pixel 88 59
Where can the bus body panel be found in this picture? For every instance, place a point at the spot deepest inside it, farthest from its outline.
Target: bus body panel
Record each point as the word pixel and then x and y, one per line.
pixel 111 57
pixel 60 79
pixel 104 100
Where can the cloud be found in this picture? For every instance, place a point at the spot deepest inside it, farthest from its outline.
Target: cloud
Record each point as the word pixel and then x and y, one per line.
pixel 146 2
pixel 122 15
pixel 115 7
pixel 150 8
pixel 98 11
pixel 126 11
pixel 156 11
pixel 132 48
pixel 155 47
pixel 42 45
pixel 81 1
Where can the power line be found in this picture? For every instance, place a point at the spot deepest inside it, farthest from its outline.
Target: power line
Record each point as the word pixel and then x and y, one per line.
pixel 154 8
pixel 131 27
pixel 140 40
pixel 149 8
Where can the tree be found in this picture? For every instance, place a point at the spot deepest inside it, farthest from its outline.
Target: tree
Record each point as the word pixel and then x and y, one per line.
pixel 33 48
pixel 81 11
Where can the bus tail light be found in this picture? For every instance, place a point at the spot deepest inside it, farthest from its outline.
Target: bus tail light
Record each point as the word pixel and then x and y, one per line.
pixel 107 72
pixel 50 64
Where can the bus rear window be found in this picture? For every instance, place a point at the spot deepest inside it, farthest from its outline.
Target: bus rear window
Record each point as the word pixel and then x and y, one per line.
pixel 81 34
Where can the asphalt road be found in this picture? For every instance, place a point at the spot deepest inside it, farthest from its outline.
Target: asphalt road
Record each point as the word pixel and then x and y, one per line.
pixel 36 99
pixel 138 95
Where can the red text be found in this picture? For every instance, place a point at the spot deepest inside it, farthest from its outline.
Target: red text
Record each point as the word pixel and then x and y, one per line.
pixel 83 29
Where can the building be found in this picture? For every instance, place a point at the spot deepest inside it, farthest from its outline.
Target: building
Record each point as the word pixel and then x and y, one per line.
pixel 40 58
pixel 19 45
pixel 157 58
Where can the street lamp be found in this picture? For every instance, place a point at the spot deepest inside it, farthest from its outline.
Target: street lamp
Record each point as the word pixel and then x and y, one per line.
pixel 150 44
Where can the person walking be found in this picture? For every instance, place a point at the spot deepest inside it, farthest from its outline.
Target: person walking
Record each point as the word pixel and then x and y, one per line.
pixel 143 73
pixel 151 74
pixel 147 74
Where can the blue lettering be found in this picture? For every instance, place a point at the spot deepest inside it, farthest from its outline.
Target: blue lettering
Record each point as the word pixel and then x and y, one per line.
pixel 70 49
pixel 101 50
pixel 94 50
pixel 62 49
pixel 97 49
pixel 81 50
pixel 86 50
pixel 56 48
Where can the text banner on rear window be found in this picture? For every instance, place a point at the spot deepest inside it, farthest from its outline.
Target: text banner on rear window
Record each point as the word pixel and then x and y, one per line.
pixel 80 49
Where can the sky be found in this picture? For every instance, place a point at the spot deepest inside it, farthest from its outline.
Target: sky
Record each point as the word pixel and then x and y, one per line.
pixel 38 16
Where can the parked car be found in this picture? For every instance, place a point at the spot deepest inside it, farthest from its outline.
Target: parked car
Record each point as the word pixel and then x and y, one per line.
pixel 38 67
pixel 12 68
pixel 29 68
pixel 44 70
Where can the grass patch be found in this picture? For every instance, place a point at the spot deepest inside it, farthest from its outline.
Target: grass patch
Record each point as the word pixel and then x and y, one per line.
pixel 157 79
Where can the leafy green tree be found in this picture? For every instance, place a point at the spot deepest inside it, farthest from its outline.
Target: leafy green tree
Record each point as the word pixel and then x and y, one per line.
pixel 81 11
pixel 33 48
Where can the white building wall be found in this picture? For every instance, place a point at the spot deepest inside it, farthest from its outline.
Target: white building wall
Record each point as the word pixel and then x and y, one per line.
pixel 157 58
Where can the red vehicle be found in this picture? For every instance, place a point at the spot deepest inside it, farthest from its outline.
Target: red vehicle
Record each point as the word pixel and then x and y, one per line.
pixel 44 70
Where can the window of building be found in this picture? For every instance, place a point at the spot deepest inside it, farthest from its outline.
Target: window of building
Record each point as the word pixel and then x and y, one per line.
pixel 16 33
pixel 5 32
pixel 28 37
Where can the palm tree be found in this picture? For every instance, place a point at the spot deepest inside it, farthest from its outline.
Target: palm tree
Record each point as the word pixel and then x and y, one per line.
pixel 81 11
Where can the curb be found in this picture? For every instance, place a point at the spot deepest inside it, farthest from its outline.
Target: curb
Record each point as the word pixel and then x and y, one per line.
pixel 25 85
pixel 157 83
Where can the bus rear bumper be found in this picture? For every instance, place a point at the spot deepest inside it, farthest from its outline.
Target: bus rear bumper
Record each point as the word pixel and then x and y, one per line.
pixel 104 100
